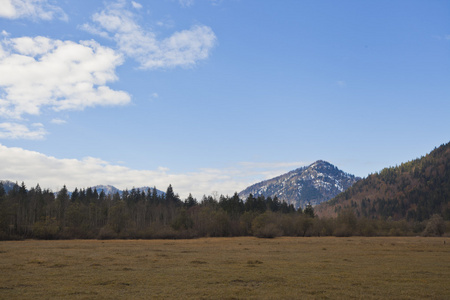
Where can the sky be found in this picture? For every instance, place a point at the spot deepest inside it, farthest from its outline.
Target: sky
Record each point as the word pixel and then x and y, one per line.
pixel 212 96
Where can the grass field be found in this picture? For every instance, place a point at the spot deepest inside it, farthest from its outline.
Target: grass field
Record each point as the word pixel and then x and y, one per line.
pixel 227 268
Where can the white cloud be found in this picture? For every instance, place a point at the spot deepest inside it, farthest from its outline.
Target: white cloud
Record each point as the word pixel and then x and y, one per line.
pixel 136 5
pixel 58 121
pixel 183 48
pixel 34 9
pixel 50 172
pixel 62 75
pixel 186 3
pixel 20 131
pixel 94 30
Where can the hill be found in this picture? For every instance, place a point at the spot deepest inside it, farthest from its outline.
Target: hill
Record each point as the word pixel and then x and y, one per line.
pixel 7 185
pixel 415 190
pixel 313 185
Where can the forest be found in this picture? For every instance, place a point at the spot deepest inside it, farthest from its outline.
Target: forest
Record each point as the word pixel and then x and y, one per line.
pixel 415 191
pixel 135 214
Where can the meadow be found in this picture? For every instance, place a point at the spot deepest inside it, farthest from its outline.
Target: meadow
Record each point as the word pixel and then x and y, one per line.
pixel 227 268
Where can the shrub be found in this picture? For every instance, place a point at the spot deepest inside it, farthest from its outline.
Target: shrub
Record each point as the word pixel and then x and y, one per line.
pixel 303 225
pixel 268 231
pixel 106 233
pixel 435 226
pixel 265 226
pixel 46 229
pixel 343 231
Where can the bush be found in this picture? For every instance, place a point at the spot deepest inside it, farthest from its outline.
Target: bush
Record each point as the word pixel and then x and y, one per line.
pixel 268 231
pixel 265 226
pixel 322 227
pixel 46 229
pixel 435 226
pixel 303 225
pixel 366 227
pixel 343 231
pixel 346 223
pixel 107 233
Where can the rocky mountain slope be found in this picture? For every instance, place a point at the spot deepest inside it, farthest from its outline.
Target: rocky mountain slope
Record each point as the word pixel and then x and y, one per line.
pixel 313 185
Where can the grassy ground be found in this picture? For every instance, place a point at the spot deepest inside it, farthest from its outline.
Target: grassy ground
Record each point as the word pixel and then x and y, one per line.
pixel 227 268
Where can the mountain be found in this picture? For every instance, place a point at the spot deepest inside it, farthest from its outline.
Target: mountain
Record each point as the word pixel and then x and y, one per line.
pixel 313 184
pixel 414 191
pixel 109 189
pixel 7 185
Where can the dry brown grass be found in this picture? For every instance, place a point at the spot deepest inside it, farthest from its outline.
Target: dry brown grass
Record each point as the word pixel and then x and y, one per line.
pixel 227 268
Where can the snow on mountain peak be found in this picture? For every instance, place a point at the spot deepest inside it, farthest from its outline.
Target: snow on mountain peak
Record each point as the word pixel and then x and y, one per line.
pixel 313 184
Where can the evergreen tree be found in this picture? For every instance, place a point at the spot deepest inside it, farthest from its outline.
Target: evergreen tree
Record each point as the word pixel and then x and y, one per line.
pixel 309 211
pixel 170 196
pixel 154 195
pixel 2 191
pixel 62 201
pixel 75 195
pixel 190 201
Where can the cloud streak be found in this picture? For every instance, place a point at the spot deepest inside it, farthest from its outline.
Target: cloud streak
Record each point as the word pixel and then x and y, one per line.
pixel 33 167
pixel 183 48
pixel 21 131
pixel 34 9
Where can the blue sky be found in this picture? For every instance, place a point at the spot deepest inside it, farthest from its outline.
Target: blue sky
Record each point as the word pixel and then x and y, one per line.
pixel 214 95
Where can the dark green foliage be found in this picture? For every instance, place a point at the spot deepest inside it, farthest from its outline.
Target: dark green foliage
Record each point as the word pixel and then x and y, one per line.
pixel 2 190
pixel 233 206
pixel 309 211
pixel 182 221
pixel 190 202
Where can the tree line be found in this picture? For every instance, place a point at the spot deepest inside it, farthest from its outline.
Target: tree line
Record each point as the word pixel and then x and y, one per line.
pixel 137 214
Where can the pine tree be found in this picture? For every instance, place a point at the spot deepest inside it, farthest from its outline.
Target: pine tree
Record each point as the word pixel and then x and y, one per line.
pixel 170 196
pixel 190 201
pixel 309 211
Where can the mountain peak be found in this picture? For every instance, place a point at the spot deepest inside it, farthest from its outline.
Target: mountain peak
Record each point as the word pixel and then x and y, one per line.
pixel 321 164
pixel 312 184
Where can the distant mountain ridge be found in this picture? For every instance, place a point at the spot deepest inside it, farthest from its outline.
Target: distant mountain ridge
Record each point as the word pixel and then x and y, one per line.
pixel 110 190
pixel 312 184
pixel 414 191
pixel 107 189
pixel 7 185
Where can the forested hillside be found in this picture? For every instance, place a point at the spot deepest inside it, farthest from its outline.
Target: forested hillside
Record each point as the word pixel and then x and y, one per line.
pixel 414 191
